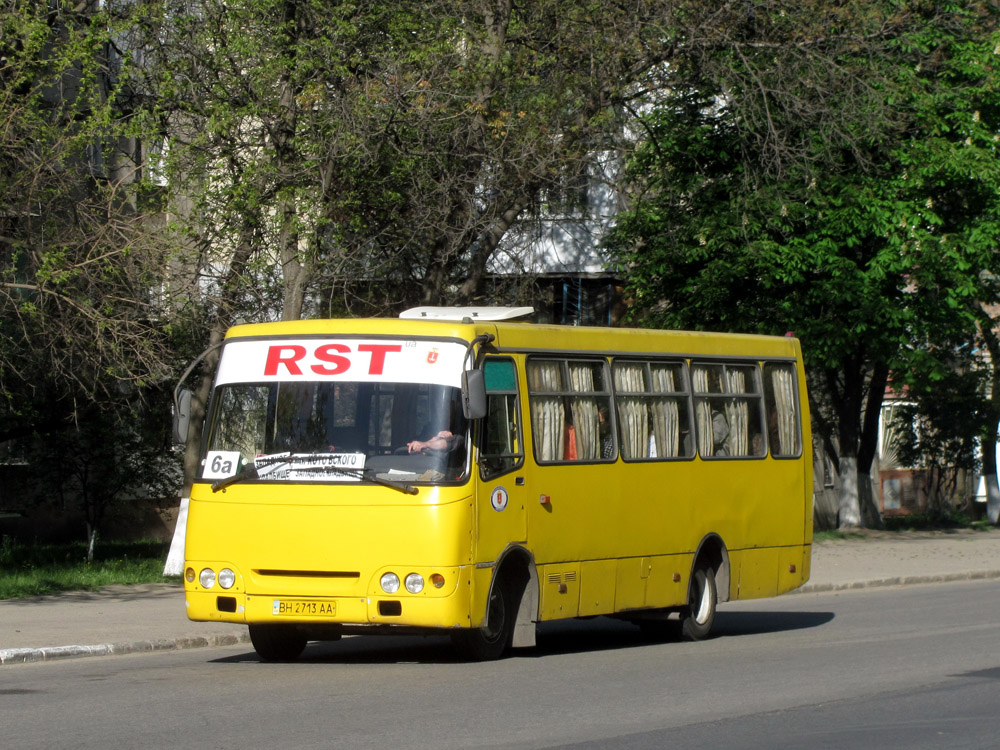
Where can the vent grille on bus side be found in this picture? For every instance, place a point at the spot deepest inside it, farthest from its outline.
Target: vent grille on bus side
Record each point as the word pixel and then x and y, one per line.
pixel 568 576
pixel 309 573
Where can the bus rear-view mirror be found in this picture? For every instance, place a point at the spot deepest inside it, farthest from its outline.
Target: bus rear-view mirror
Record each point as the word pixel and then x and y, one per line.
pixel 182 415
pixel 473 394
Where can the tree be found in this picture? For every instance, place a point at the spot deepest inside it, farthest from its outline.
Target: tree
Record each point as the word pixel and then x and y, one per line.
pixel 78 282
pixel 83 334
pixel 356 159
pixel 834 173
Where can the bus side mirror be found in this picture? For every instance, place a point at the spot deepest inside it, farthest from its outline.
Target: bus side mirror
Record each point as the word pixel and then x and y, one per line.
pixel 182 415
pixel 473 394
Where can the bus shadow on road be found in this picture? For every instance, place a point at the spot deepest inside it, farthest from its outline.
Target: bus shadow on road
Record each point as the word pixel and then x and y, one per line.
pixel 603 633
pixel 554 638
pixel 757 623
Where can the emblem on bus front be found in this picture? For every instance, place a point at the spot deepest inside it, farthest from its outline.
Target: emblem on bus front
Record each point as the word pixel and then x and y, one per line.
pixel 499 498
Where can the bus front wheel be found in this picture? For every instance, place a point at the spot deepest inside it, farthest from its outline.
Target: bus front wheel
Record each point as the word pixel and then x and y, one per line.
pixel 699 614
pixel 489 642
pixel 277 642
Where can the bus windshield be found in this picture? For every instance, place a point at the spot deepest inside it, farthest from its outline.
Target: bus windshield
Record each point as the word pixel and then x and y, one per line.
pixel 317 431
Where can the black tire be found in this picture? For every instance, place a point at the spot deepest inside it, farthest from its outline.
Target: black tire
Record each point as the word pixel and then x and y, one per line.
pixel 699 614
pixel 492 640
pixel 277 642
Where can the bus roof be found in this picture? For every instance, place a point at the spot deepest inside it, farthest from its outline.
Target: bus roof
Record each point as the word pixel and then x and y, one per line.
pixel 514 335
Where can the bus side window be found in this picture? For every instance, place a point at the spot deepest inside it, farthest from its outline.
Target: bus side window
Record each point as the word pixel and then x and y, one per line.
pixel 782 405
pixel 571 417
pixel 727 408
pixel 501 449
pixel 652 402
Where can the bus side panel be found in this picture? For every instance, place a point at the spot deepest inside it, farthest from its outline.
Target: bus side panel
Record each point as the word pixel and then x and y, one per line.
pixel 646 509
pixel 597 587
pixel 758 573
pixel 630 584
pixel 662 590
pixel 559 591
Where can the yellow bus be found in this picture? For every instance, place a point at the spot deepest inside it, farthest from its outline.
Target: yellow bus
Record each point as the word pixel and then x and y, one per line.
pixel 459 471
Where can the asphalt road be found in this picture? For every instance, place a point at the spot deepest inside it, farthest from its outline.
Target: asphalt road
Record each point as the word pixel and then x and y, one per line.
pixel 913 667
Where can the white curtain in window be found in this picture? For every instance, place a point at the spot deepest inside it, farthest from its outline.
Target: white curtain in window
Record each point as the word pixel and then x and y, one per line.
pixel 737 413
pixel 666 424
pixel 783 383
pixel 548 415
pixel 703 412
pixel 586 420
pixel 632 414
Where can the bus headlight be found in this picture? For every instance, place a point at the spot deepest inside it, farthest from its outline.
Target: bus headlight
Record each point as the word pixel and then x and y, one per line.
pixel 390 583
pixel 227 578
pixel 414 583
pixel 206 578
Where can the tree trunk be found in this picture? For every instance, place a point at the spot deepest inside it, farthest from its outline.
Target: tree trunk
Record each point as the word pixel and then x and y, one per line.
pixel 990 476
pixel 849 507
pixel 485 248
pixel 91 541
pixel 988 332
pixel 868 445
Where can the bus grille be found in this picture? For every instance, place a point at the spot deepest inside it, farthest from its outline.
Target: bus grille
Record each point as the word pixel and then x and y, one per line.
pixel 309 573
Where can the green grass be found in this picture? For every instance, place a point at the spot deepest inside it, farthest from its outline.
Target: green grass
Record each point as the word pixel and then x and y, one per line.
pixel 912 522
pixel 34 569
pixel 826 536
pixel 928 522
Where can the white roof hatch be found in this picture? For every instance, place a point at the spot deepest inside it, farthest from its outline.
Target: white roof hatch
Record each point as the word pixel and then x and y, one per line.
pixel 466 313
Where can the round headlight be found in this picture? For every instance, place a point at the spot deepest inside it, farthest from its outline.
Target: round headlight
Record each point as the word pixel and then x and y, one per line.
pixel 438 580
pixel 390 583
pixel 207 578
pixel 227 578
pixel 414 583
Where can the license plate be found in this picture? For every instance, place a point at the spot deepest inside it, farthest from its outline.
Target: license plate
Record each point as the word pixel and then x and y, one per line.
pixel 303 608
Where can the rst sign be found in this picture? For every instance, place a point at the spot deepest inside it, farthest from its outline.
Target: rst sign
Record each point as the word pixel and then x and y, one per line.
pixel 394 360
pixel 327 359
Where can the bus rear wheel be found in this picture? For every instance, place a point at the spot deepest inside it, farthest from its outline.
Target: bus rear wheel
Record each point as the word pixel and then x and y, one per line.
pixel 277 642
pixel 489 642
pixel 699 614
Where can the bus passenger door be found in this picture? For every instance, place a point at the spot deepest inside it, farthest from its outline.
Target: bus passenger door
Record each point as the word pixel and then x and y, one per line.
pixel 500 514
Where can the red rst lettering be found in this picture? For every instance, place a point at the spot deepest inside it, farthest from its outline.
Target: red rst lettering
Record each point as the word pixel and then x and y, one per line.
pixel 324 354
pixel 276 356
pixel 378 355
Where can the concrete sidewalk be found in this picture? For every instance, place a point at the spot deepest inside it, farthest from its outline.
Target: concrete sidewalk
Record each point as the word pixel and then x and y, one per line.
pixel 133 619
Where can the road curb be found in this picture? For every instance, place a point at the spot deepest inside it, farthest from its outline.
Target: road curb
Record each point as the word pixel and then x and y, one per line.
pixel 54 653
pixel 975 575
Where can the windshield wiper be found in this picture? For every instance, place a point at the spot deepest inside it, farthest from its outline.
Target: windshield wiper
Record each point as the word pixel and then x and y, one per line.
pixel 250 471
pixel 365 474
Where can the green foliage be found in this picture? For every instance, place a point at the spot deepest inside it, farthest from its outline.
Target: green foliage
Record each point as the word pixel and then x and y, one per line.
pixel 363 157
pixel 85 342
pixel 78 311
pixel 939 426
pixel 863 227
